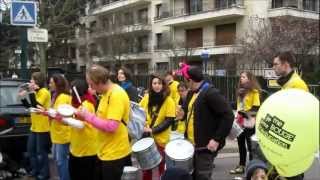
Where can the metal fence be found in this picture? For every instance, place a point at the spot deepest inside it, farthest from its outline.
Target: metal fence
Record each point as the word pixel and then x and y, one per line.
pixel 228 85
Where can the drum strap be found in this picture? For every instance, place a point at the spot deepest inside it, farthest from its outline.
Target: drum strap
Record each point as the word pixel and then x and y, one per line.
pixel 187 122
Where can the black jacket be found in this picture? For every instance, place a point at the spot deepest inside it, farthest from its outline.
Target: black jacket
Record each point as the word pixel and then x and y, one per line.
pixel 213 117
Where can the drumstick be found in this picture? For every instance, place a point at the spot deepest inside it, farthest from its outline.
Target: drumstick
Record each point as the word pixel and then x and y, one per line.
pixel 77 94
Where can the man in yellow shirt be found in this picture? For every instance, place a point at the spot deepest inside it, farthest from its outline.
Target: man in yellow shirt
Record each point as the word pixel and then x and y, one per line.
pixel 113 139
pixel 283 65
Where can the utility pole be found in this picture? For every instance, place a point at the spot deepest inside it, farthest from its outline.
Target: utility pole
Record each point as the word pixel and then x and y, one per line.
pixel 24 53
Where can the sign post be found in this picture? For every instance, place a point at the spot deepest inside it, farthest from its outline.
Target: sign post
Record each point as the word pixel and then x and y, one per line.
pixel 37 35
pixel 23 13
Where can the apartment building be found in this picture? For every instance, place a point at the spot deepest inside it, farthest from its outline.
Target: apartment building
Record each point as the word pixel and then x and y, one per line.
pixel 148 34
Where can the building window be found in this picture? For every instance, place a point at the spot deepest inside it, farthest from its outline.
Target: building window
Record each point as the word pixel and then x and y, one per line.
pixel 277 3
pixel 309 5
pixel 225 34
pixel 143 16
pixel 222 4
pixel 193 6
pixel 162 66
pixel 158 11
pixel 143 68
pixel 284 3
pixel 93 26
pixel 159 40
pixel 128 18
pixel 142 44
pixel 194 38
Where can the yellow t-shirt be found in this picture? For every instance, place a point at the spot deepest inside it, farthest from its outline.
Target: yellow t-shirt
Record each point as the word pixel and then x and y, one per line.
pixel 60 133
pixel 190 118
pixel 168 109
pixel 174 94
pixel 83 141
pixel 296 82
pixel 114 105
pixel 251 99
pixel 40 123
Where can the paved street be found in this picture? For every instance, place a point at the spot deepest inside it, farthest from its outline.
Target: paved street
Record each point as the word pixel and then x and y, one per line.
pixel 228 159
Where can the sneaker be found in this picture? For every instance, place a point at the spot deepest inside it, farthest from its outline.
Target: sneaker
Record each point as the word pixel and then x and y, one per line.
pixel 238 170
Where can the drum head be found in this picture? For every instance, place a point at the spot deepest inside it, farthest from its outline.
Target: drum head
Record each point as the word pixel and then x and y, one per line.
pixel 179 149
pixel 130 169
pixel 142 144
pixel 66 110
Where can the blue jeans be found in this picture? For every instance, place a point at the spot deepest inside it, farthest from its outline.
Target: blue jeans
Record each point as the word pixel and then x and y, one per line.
pixel 61 157
pixel 38 149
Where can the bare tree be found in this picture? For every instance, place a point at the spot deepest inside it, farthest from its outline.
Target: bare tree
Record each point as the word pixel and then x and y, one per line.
pixel 266 37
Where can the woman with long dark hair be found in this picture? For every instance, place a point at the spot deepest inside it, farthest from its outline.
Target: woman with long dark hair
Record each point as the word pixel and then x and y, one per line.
pixel 248 102
pixel 60 132
pixel 83 144
pixel 160 109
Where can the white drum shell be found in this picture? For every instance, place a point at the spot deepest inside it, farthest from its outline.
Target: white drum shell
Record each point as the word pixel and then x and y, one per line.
pixel 173 161
pixel 148 157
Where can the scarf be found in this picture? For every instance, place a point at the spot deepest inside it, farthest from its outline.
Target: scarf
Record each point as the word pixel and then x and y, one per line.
pixel 244 89
pixel 155 99
pixel 284 79
pixel 125 84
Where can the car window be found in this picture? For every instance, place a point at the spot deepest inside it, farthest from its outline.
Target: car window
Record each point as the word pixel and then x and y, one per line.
pixel 9 96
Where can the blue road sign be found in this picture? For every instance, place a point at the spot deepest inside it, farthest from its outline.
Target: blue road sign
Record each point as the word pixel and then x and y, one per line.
pixel 23 13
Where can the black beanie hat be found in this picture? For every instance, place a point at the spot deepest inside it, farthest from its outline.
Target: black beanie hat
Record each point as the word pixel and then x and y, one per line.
pixel 253 165
pixel 195 73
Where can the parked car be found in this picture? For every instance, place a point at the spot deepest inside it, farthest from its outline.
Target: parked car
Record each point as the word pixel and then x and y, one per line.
pixel 14 120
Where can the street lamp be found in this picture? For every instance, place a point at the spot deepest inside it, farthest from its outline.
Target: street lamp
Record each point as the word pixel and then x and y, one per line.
pixel 205 57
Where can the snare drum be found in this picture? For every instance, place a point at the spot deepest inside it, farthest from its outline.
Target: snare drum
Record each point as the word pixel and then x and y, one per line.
pixel 179 154
pixel 147 154
pixel 131 173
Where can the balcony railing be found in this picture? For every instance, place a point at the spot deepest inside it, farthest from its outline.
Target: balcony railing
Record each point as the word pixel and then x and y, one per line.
pixel 184 12
pixel 307 5
pixel 99 32
pixel 112 5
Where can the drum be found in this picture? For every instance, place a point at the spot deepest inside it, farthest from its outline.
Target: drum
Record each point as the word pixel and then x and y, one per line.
pixel 147 154
pixel 66 110
pixel 131 173
pixel 179 154
pixel 235 131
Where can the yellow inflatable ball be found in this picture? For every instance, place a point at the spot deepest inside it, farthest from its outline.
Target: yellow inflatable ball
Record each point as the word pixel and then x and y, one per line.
pixel 287 126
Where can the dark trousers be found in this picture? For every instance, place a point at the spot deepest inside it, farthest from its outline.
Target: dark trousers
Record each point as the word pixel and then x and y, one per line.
pixel 82 168
pixel 243 140
pixel 203 165
pixel 38 150
pixel 108 170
